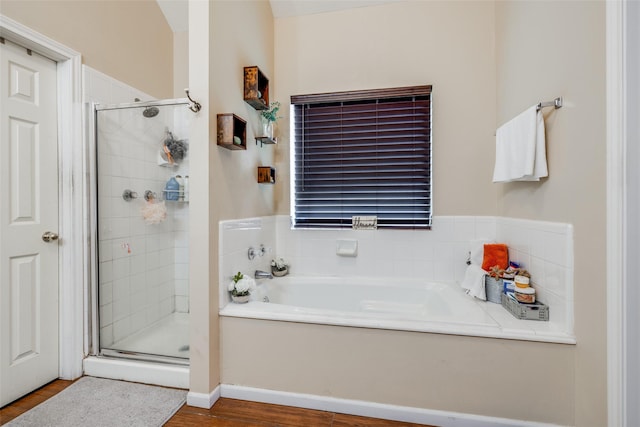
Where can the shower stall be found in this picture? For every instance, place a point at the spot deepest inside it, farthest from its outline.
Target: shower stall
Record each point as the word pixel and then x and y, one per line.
pixel 140 291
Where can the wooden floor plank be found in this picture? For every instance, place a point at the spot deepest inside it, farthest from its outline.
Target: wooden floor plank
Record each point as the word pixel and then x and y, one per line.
pixel 31 400
pixel 277 414
pixel 343 420
pixel 190 419
pixel 8 413
pixel 225 413
pixel 54 387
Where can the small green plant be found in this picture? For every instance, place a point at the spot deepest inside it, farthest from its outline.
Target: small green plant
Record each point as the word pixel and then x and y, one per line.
pixel 271 114
pixel 241 285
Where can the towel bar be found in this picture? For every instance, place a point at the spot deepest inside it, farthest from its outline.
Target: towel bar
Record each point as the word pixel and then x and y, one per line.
pixel 556 103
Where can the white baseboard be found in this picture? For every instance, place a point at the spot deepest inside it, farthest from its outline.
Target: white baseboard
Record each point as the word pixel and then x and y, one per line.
pixel 370 409
pixel 203 400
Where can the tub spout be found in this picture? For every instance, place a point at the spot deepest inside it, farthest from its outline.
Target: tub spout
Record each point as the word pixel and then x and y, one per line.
pixel 259 274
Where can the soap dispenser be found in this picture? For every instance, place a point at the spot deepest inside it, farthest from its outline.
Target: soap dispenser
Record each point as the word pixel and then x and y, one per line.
pixel 171 189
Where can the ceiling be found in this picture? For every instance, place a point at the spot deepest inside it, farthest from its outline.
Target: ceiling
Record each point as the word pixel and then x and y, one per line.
pixel 282 8
pixel 176 11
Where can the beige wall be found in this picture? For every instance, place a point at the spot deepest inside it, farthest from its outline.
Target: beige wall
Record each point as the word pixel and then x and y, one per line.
pixel 443 43
pixel 477 55
pixel 223 182
pixel 203 326
pixel 128 40
pixel 242 36
pixel 450 45
pixel 180 63
pixel 544 50
pixel 480 376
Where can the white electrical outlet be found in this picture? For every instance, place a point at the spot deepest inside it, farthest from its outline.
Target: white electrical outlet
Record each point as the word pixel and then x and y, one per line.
pixel 364 222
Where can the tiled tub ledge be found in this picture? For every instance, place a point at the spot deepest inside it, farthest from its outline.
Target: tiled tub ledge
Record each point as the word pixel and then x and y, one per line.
pixel 436 307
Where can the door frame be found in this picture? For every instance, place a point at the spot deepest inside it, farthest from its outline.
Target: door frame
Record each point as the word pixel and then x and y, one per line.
pixel 623 318
pixel 72 192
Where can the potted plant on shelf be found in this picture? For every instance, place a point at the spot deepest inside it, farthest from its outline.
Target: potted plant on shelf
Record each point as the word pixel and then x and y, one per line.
pixel 240 288
pixel 279 267
pixel 269 117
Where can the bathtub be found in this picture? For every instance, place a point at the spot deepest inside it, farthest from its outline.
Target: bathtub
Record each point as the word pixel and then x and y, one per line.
pixel 396 304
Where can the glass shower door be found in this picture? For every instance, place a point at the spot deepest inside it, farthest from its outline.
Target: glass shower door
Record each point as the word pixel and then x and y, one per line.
pixel 142 154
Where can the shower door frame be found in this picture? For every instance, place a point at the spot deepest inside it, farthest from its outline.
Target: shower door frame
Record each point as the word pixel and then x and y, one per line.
pixel 94 348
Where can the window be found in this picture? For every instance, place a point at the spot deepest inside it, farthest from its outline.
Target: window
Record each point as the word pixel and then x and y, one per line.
pixel 362 153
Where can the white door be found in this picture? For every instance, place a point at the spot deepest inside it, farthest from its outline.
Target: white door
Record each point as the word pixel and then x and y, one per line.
pixel 28 210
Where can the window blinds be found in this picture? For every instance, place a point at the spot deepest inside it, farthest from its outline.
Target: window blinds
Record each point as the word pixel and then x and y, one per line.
pixel 362 153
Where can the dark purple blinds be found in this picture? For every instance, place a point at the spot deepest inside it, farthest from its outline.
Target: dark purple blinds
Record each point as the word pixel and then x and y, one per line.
pixel 363 153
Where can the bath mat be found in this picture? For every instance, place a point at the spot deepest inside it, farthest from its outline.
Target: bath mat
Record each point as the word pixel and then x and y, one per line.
pixel 100 402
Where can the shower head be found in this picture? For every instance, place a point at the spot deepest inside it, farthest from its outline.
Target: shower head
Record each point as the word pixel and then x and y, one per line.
pixel 150 112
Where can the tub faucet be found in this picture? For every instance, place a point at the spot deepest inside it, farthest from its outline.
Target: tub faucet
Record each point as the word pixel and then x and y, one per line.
pixel 259 274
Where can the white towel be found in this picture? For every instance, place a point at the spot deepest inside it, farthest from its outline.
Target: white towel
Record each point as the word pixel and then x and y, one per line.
pixel 473 282
pixel 520 148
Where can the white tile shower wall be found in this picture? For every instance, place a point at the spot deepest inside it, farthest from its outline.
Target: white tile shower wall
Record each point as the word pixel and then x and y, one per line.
pixel 181 261
pixel 180 130
pixel 141 267
pixel 236 237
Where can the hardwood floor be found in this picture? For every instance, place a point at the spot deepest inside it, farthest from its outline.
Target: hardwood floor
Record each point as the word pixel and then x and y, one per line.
pixel 225 413
pixel 20 406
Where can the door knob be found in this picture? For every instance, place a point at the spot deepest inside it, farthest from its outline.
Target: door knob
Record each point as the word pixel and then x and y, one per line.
pixel 49 236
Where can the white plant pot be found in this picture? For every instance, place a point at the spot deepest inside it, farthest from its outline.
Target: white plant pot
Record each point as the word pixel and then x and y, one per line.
pixel 240 299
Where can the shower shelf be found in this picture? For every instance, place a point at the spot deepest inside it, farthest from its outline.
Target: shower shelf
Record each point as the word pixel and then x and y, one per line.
pixel 172 193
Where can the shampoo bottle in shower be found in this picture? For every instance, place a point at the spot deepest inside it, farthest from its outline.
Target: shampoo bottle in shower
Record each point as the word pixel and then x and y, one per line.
pixel 171 189
pixel 180 188
pixel 186 188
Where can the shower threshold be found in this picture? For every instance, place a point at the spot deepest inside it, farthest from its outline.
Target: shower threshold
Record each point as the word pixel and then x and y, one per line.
pixel 165 341
pixel 143 357
pixel 146 372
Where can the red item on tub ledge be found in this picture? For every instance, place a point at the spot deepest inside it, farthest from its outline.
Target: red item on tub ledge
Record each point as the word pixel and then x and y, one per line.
pixel 495 254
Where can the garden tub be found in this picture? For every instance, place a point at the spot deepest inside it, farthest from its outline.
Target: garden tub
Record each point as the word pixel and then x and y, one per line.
pixel 396 304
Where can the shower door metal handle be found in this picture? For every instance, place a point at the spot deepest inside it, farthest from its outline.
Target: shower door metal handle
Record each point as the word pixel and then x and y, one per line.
pixel 48 236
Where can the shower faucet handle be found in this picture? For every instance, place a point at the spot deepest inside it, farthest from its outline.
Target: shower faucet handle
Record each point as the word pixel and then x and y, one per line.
pixel 253 252
pixel 129 195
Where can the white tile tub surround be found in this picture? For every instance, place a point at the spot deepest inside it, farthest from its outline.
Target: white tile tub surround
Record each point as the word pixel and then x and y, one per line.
pixel 143 268
pixel 236 237
pixel 543 248
pixel 439 254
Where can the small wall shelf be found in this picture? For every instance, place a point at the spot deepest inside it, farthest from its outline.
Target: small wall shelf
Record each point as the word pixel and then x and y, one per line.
pixel 256 88
pixel 265 140
pixel 266 175
pixel 231 130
